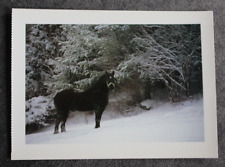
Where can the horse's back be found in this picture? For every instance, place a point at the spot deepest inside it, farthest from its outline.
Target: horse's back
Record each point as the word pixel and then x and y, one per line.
pixel 64 98
pixel 65 94
pixel 70 100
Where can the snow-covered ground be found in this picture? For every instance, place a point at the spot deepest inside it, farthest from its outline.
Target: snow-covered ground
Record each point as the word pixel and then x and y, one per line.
pixel 164 122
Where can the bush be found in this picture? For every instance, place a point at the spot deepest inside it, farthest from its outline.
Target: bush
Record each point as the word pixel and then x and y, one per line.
pixel 39 112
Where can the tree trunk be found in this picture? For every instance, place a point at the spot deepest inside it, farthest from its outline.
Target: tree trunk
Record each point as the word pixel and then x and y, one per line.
pixel 148 88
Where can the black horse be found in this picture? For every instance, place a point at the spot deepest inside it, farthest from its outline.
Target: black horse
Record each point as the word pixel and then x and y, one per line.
pixel 95 98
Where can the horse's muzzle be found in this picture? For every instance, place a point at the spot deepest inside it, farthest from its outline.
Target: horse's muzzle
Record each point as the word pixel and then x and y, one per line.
pixel 111 86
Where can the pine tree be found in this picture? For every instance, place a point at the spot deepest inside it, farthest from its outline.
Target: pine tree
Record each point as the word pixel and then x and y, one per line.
pixel 41 47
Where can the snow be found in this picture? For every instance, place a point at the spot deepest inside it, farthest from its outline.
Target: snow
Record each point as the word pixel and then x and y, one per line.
pixel 147 104
pixel 37 109
pixel 164 122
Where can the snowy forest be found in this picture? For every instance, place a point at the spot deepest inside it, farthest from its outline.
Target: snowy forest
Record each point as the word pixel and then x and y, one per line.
pixel 153 64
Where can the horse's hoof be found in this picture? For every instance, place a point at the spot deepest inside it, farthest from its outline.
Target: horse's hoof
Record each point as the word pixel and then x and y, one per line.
pixel 63 129
pixel 56 132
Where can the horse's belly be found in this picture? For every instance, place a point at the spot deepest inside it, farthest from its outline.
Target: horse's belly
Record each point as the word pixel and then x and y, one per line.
pixel 82 105
pixel 83 108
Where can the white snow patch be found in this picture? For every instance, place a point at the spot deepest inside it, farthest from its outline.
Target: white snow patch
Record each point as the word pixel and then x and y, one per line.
pixel 147 104
pixel 166 122
pixel 37 109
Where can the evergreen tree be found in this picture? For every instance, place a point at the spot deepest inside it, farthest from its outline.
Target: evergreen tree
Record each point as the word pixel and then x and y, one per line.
pixel 41 46
pixel 165 53
pixel 64 56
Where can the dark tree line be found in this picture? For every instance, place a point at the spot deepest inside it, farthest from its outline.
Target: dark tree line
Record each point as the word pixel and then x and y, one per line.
pixel 155 56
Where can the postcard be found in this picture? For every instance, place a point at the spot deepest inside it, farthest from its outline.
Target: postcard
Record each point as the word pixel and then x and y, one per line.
pixel 113 84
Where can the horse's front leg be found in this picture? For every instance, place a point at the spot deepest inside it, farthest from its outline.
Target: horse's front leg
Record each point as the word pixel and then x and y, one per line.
pixel 98 116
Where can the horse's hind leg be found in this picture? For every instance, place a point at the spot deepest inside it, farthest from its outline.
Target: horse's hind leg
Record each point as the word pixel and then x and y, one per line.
pixel 63 127
pixel 63 122
pixel 57 121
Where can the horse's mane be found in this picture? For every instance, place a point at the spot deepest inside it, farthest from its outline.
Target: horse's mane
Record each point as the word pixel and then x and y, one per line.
pixel 102 77
pixel 97 82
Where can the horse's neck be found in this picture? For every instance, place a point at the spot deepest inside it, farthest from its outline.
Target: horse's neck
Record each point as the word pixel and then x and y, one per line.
pixel 100 84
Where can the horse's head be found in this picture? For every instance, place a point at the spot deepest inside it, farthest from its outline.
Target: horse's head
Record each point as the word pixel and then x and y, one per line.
pixel 110 80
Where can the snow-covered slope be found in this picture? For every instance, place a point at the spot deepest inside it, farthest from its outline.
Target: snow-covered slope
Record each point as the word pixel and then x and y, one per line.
pixel 165 122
